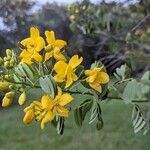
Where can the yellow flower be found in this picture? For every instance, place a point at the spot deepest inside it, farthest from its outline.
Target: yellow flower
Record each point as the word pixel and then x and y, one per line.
pixel 22 98
pixel 54 46
pixel 8 98
pixel 32 46
pixel 96 77
pixel 48 108
pixel 66 72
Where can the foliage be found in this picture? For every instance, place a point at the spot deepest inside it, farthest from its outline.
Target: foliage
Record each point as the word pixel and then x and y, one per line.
pixel 117 33
pixel 67 86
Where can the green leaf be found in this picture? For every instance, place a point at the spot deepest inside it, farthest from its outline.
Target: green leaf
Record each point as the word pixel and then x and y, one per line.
pixel 60 125
pixel 120 72
pixel 131 91
pixel 78 117
pixel 48 85
pixel 99 124
pixel 24 70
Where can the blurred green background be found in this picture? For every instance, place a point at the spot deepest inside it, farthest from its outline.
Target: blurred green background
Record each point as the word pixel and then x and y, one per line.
pixel 114 32
pixel 116 134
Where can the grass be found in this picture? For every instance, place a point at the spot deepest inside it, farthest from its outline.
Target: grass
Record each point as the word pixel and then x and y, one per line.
pixel 117 133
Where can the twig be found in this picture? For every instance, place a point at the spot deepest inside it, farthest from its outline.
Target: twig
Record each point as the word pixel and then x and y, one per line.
pixel 140 22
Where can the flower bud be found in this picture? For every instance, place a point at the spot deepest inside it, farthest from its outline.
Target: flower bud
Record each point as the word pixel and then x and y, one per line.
pixel 9 52
pixel 29 116
pixel 12 62
pixel 8 98
pixel 6 64
pixel 1 61
pixel 4 86
pixel 6 102
pixel 10 94
pixel 22 98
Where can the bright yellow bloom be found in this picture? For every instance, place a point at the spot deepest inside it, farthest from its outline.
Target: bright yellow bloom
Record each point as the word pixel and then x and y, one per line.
pixel 8 98
pixel 32 46
pixel 48 108
pixel 54 46
pixel 4 85
pixel 66 72
pixel 96 77
pixel 22 98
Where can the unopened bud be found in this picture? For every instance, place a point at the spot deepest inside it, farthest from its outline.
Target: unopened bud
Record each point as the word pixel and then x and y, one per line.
pixel 4 85
pixel 29 116
pixel 22 98
pixel 9 52
pixel 8 98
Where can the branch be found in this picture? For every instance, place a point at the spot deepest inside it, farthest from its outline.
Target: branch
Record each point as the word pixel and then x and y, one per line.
pixel 140 22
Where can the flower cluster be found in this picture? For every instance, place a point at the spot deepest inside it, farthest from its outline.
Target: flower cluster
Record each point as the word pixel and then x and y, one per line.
pixel 44 64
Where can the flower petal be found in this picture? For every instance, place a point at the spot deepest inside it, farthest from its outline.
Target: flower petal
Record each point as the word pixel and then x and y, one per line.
pixel 75 61
pixel 50 37
pixel 69 79
pixel 48 117
pixel 60 43
pixel 47 102
pixel 34 32
pixel 62 111
pixel 65 99
pixel 60 68
pixel 96 87
pixel 58 55
pixel 48 55
pixel 102 78
pixel 58 78
pixel 37 57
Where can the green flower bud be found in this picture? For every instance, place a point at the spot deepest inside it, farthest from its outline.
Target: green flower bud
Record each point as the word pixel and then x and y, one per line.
pixel 11 86
pixel 1 61
pixel 6 77
pixel 9 52
pixel 6 64
pixel 12 62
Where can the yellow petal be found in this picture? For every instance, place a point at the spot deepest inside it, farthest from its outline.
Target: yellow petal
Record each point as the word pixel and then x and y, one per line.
pixel 96 87
pixel 48 117
pixel 75 61
pixel 59 93
pixel 62 111
pixel 34 32
pixel 40 44
pixel 91 78
pixel 25 54
pixel 60 68
pixel 58 78
pixel 47 102
pixel 58 55
pixel 37 57
pixel 102 78
pixel 50 37
pixel 69 79
pixel 26 41
pixel 48 55
pixel 65 99
pixel 60 44
pixel 26 60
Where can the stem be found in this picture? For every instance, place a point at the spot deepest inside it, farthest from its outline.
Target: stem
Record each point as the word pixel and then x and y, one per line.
pixel 133 101
pixel 125 80
pixel 26 84
pixel 76 92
